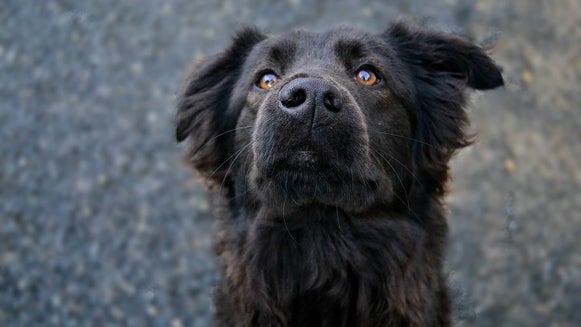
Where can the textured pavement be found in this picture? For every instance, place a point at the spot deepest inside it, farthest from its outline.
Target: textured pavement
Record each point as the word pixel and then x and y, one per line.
pixel 101 224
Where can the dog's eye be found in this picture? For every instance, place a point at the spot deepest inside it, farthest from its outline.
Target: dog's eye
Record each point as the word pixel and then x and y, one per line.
pixel 267 81
pixel 366 77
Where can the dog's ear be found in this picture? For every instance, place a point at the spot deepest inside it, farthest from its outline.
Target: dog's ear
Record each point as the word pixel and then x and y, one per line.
pixel 205 112
pixel 441 67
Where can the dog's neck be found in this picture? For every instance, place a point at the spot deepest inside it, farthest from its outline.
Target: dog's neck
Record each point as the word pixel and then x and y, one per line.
pixel 318 260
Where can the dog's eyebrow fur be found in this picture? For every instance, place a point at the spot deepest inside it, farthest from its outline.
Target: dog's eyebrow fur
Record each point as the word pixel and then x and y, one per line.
pixel 283 53
pixel 349 50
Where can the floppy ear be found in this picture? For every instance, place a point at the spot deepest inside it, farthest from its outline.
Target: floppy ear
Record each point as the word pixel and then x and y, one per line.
pixel 441 67
pixel 205 112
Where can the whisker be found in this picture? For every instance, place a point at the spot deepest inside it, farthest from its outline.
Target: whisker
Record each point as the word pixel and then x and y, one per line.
pixel 404 202
pixel 206 142
pixel 232 163
pixel 401 164
pixel 407 138
pixel 247 173
pixel 399 179
pixel 228 159
pixel 284 221
pixel 338 221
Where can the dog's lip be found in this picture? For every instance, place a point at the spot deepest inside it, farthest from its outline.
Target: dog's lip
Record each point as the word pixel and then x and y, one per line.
pixel 301 159
pixel 297 161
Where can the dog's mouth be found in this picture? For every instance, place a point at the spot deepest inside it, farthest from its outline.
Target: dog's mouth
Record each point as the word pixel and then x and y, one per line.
pixel 305 161
pixel 301 160
pixel 326 174
pixel 308 165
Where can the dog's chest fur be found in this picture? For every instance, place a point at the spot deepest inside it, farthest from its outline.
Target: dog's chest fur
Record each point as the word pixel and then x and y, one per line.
pixel 323 268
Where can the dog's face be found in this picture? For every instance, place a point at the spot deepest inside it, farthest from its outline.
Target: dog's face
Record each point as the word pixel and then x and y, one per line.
pixel 318 105
pixel 343 118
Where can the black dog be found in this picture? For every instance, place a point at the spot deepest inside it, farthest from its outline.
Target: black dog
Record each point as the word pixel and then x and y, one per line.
pixel 329 153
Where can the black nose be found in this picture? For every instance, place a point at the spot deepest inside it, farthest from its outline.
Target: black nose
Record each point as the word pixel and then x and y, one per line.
pixel 303 95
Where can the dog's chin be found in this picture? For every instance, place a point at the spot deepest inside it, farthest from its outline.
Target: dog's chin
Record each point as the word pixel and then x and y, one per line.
pixel 305 178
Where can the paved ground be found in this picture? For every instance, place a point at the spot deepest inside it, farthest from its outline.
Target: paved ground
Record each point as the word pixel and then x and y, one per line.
pixel 100 225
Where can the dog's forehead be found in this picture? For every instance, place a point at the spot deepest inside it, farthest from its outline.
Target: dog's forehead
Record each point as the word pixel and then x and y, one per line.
pixel 332 44
pixel 322 39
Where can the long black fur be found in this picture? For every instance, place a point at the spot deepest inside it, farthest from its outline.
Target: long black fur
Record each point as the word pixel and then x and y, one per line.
pixel 332 217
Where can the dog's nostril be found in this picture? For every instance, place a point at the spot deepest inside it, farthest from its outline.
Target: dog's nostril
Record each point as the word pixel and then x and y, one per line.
pixel 294 99
pixel 331 102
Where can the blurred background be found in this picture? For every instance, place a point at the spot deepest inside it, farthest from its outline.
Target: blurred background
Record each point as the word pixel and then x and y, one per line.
pixel 101 224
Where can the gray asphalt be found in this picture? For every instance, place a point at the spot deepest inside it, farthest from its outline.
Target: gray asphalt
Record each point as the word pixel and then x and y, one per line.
pixel 101 224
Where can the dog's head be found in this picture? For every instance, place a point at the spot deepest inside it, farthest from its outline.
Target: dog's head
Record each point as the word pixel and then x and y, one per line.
pixel 342 118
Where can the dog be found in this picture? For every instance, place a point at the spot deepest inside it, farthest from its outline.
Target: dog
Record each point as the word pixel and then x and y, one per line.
pixel 328 157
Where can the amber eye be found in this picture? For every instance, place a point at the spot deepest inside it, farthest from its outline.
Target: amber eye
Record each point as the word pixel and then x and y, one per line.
pixel 366 77
pixel 267 81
